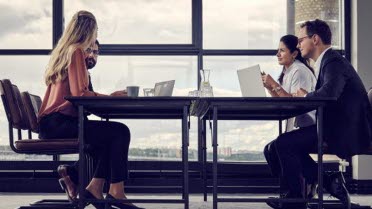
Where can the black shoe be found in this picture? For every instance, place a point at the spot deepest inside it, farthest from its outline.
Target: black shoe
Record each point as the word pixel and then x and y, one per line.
pixel 68 170
pixel 311 190
pixel 71 198
pixel 334 183
pixel 66 183
pixel 275 205
pixel 89 195
pixel 121 205
pixel 287 205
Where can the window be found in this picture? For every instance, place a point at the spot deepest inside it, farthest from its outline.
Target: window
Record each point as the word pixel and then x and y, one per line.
pixel 223 74
pixel 243 24
pixel 151 139
pixel 250 27
pixel 26 24
pixel 138 22
pixel 114 73
pixel 240 140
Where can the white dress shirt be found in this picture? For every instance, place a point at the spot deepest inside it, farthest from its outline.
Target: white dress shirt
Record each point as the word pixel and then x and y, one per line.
pixel 318 62
pixel 295 77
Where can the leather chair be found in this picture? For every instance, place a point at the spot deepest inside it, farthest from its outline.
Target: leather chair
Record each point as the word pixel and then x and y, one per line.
pixel 21 111
pixel 21 115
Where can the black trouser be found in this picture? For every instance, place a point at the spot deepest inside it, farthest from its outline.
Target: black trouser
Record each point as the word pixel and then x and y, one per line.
pixel 109 142
pixel 272 159
pixel 288 156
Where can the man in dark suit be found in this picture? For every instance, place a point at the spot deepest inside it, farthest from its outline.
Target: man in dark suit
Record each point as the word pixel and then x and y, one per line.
pixel 348 121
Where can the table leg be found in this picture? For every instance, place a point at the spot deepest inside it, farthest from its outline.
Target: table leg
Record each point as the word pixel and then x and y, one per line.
pixel 215 153
pixel 281 192
pixel 82 162
pixel 185 144
pixel 204 156
pixel 320 126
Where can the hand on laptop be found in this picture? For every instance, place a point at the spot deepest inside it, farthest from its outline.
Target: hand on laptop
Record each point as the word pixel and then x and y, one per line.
pixel 300 93
pixel 120 93
pixel 268 81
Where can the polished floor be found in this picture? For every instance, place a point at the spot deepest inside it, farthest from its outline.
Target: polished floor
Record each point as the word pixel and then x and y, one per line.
pixel 13 201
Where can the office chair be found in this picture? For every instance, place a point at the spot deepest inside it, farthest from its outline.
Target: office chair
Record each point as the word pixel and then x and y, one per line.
pixel 23 116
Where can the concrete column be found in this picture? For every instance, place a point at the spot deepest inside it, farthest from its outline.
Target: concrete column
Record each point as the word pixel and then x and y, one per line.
pixel 291 17
pixel 361 39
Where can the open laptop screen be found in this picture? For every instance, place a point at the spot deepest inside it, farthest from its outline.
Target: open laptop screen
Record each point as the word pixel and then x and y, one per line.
pixel 250 82
pixel 164 88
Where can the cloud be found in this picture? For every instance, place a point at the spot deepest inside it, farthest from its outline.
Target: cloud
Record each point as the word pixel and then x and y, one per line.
pixel 245 24
pixel 162 21
pixel 23 27
pixel 247 135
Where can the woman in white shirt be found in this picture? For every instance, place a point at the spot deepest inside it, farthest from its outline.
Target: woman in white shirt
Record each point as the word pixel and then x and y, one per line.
pixel 296 74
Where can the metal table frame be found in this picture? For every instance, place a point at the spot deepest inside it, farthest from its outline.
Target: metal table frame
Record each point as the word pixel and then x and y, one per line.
pixel 230 108
pixel 135 108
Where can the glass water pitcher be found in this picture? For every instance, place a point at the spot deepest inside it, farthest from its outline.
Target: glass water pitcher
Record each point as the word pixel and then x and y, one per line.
pixel 206 89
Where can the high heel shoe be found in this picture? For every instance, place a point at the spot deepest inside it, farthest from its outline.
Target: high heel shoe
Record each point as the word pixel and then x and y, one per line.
pixel 64 187
pixel 121 205
pixel 66 183
pixel 89 195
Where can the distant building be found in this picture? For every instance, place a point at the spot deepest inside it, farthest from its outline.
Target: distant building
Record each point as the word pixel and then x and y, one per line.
pixel 225 151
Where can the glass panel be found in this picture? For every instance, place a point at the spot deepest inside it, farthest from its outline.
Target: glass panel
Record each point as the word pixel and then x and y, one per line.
pixel 26 24
pixel 327 10
pixel 27 73
pixel 242 140
pixel 150 139
pixel 138 22
pixel 239 140
pixel 243 24
pixel 224 78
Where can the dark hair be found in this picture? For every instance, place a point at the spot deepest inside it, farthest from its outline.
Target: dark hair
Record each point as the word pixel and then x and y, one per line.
pixel 291 41
pixel 97 42
pixel 320 28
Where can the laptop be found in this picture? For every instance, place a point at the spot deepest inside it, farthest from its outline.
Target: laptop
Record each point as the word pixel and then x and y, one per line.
pixel 251 82
pixel 164 89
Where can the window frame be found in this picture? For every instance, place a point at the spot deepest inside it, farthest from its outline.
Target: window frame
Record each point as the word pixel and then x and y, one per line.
pixel 195 48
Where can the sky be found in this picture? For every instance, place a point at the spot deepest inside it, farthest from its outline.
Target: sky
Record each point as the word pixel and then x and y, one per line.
pixel 228 24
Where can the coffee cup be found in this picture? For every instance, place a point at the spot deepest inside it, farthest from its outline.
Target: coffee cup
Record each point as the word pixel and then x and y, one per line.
pixel 132 91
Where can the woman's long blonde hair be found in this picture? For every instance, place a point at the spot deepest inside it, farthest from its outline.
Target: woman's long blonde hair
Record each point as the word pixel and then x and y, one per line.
pixel 80 33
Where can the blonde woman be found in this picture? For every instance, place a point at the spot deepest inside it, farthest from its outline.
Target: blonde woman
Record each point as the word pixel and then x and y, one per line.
pixel 67 75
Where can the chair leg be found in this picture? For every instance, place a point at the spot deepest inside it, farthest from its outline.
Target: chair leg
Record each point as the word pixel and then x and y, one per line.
pixel 51 204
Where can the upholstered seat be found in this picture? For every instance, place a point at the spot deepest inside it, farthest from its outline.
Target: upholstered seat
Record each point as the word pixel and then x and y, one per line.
pixel 47 145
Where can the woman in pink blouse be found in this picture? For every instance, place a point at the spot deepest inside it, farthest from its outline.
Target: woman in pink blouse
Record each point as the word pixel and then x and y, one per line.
pixel 67 75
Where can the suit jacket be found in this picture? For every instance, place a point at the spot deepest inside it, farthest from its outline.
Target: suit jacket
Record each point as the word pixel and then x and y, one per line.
pixel 348 121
